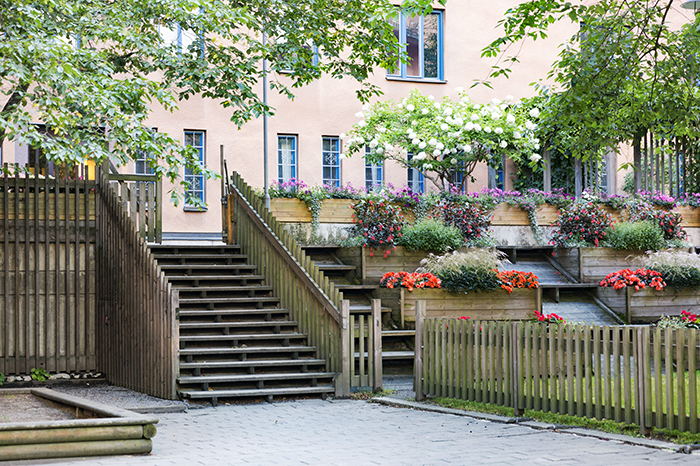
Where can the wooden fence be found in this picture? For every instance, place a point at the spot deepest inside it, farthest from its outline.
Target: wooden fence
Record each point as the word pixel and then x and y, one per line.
pixel 622 373
pixel 362 347
pixel 304 290
pixel 141 197
pixel 47 273
pixel 137 327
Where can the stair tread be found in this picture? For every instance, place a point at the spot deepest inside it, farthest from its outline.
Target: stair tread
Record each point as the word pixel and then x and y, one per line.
pixel 256 392
pixel 225 255
pixel 194 246
pixel 323 266
pixel 207 266
pixel 250 349
pixel 264 323
pixel 253 377
pixel 397 333
pixel 186 289
pixel 249 336
pixel 250 363
pixel 232 299
pixel 398 354
pixel 215 277
pixel 343 287
pixel 230 312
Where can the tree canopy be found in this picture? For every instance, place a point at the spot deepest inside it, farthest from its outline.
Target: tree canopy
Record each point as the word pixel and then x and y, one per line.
pixel 626 70
pixel 90 70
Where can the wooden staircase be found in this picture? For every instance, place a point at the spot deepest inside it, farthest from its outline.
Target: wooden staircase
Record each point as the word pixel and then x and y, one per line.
pixel 235 340
pixel 397 344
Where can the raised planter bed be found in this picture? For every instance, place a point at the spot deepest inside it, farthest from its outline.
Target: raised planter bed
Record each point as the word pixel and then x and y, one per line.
pixel 648 305
pixel 296 211
pixel 96 430
pixel 521 304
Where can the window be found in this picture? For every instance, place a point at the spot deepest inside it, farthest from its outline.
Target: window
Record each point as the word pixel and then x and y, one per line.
pixel 331 162
pixel 195 181
pixel 286 158
pixel 497 174
pixel 373 174
pixel 421 38
pixel 182 38
pixel 415 182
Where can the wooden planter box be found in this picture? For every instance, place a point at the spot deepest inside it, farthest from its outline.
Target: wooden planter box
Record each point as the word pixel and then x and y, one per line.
pixel 591 265
pixel 375 266
pixel 521 304
pixel 649 305
pixel 691 216
pixel 296 211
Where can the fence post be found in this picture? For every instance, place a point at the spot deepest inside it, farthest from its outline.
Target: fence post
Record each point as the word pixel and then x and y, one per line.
pixel 640 347
pixel 377 350
pixel 418 357
pixel 342 389
pixel 515 352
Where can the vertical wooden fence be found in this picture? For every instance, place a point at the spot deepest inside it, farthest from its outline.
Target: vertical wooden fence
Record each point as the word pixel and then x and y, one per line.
pixel 362 347
pixel 308 295
pixel 627 374
pixel 48 269
pixel 141 197
pixel 666 165
pixel 137 327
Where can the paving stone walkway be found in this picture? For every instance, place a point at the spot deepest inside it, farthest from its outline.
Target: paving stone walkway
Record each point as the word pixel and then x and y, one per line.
pixel 343 432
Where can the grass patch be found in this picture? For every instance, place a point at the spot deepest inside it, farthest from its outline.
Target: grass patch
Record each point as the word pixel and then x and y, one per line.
pixel 367 394
pixel 681 438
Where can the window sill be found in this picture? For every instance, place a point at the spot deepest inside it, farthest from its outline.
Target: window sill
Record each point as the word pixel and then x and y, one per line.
pixel 416 80
pixel 193 209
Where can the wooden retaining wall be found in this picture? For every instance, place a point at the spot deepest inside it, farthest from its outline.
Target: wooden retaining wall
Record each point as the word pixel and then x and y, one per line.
pixel 626 374
pixel 649 305
pixel 47 276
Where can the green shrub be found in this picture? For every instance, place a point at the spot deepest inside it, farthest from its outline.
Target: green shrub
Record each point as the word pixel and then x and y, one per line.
pixel 680 269
pixel 464 271
pixel 646 236
pixel 679 277
pixel 431 235
pixel 466 279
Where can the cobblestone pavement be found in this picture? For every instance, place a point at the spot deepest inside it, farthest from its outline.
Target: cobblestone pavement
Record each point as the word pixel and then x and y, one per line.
pixel 316 432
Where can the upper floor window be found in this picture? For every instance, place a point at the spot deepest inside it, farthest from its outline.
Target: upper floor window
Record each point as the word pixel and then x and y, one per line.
pixel 331 161
pixel 374 176
pixel 286 158
pixel 421 38
pixel 195 181
pixel 415 182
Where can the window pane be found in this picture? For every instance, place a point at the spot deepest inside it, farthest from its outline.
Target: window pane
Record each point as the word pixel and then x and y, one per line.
pixel 396 24
pixel 430 46
pixel 286 158
pixel 413 45
pixel 331 161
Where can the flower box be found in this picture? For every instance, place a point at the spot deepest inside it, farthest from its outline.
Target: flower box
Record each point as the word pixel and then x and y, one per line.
pixel 521 304
pixel 648 305
pixel 288 210
pixel 374 266
pixel 509 215
pixel 691 216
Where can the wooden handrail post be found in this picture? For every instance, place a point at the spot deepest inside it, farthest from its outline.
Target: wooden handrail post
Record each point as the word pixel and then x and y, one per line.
pixel 342 386
pixel 418 358
pixel 377 350
pixel 640 348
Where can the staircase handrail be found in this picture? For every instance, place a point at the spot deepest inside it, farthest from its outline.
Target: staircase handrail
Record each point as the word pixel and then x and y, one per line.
pixel 319 285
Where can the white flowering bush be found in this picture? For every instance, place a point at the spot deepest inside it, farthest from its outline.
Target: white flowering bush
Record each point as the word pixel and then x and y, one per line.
pixel 446 136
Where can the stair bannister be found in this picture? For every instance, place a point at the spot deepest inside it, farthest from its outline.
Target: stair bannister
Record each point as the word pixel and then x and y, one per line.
pixel 311 299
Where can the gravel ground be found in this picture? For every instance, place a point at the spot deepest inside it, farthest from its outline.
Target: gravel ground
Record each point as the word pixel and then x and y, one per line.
pixel 24 407
pixel 122 398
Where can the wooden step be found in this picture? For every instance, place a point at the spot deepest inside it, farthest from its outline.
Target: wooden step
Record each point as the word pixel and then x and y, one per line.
pixel 254 377
pixel 397 333
pixel 217 289
pixel 174 278
pixel 398 355
pixel 160 248
pixel 345 288
pixel 251 363
pixel 207 267
pixel 246 350
pixel 240 337
pixel 214 395
pixel 237 325
pixel 207 256
pixel 246 299
pixel 232 312
pixel 336 267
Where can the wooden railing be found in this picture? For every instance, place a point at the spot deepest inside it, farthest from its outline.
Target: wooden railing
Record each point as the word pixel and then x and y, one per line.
pixel 137 309
pixel 47 255
pixel 142 198
pixel 304 290
pixel 628 374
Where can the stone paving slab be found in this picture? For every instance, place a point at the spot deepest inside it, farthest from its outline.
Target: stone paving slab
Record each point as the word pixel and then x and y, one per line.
pixel 344 432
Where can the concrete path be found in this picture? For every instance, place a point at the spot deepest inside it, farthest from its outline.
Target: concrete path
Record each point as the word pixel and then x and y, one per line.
pixel 316 432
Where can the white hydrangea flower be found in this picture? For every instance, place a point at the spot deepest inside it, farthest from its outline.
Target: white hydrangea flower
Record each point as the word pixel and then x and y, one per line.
pixel 343 135
pixel 410 107
pixel 422 145
pixel 530 125
pixel 362 123
pixel 428 166
pixel 440 146
pixel 412 135
pixel 517 135
pixel 359 115
pixel 536 140
pixel 432 141
pixel 469 126
pixel 474 117
pixel 404 151
pixel 388 147
pixel 360 140
pixel 414 123
pixel 467 148
pixel 373 143
pixel 449 120
pixel 379 150
pixel 535 112
pixel 444 126
pixel 415 141
pixel 510 119
pixel 421 155
pixel 436 153
pixel 495 115
pixel 424 111
pixel 409 131
pixel 535 158
pixel 498 130
pixel 477 127
pixel 487 129
pixel 509 98
pixel 342 156
pixel 537 146
pixel 381 129
pixel 504 144
pixel 495 101
pixel 458 121
pixel 453 161
pixel 436 105
pixel 431 97
pixel 448 111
